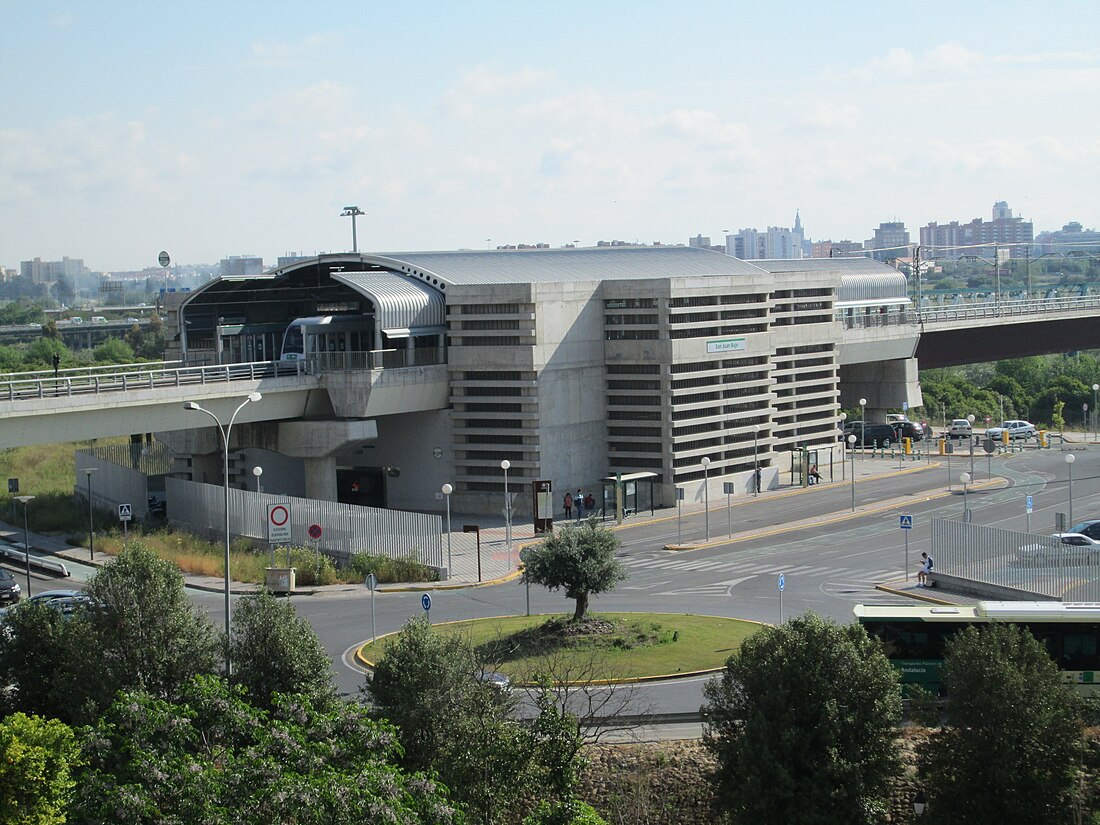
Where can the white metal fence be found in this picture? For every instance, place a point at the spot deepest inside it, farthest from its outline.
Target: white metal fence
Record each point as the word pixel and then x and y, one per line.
pixel 1021 561
pixel 345 528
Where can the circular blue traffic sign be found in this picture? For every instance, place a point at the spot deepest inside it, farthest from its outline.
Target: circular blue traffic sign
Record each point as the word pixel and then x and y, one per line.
pixel 426 601
pixel 782 581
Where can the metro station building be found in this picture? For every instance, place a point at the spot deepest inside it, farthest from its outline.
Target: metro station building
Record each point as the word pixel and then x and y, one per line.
pixel 573 365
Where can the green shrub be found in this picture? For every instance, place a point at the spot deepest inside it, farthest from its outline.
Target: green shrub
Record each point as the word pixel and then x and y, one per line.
pixel 312 568
pixel 387 569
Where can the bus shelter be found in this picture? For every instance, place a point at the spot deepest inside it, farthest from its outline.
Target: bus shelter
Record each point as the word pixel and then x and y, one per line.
pixel 636 489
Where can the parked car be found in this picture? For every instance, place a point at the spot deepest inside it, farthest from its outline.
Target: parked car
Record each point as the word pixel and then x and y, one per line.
pixel 1015 429
pixel 9 587
pixel 894 418
pixel 960 428
pixel 870 435
pixel 1070 548
pixel 64 600
pixel 908 429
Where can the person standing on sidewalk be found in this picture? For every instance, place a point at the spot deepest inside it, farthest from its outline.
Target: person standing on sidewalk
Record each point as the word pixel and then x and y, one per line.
pixel 578 502
pixel 568 504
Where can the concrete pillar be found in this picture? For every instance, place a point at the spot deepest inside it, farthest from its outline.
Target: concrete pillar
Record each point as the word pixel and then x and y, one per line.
pixel 887 385
pixel 320 476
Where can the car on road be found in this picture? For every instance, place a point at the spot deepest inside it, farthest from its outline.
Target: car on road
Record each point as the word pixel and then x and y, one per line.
pixel 9 587
pixel 64 600
pixel 960 428
pixel 870 435
pixel 1078 545
pixel 908 429
pixel 1015 429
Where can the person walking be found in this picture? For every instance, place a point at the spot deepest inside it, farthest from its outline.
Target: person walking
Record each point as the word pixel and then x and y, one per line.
pixel 578 502
pixel 567 502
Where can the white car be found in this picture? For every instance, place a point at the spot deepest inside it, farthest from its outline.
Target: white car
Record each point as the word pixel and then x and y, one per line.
pixel 1079 545
pixel 960 428
pixel 1015 429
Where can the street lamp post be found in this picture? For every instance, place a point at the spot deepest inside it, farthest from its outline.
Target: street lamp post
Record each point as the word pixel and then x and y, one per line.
pixel 706 497
pixel 843 444
pixel 852 456
pixel 1070 458
pixel 863 427
pixel 26 540
pixel 91 524
pixel 352 212
pixel 1095 410
pixel 755 460
pixel 225 431
pixel 447 490
pixel 970 418
pixel 258 471
pixel 965 479
pixel 504 465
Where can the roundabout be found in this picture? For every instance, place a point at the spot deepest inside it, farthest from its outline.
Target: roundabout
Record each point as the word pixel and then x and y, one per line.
pixel 605 648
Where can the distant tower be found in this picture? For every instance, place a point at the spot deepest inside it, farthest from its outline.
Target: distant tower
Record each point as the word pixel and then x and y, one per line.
pixel 1001 211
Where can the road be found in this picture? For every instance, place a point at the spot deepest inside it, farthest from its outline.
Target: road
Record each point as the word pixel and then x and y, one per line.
pixel 831 558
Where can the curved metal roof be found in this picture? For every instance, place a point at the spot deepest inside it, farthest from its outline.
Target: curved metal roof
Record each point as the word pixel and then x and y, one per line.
pixel 525 266
pixel 399 302
pixel 867 287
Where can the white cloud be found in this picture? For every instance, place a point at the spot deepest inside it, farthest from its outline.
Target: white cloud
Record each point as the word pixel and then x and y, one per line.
pixel 482 86
pixel 831 115
pixel 290 53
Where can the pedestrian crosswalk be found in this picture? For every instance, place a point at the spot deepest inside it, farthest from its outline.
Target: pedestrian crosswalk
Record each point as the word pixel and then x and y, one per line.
pixel 848 580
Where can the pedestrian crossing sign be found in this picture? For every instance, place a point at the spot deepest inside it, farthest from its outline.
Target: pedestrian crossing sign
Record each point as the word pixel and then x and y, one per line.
pixel 125 513
pixel 906 523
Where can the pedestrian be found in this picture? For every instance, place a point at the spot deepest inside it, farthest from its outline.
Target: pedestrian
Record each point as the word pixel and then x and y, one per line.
pixel 568 504
pixel 925 569
pixel 590 502
pixel 757 477
pixel 578 502
pixel 815 476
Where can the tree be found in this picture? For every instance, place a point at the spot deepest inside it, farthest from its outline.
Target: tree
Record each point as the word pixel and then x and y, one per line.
pixel 212 757
pixel 1012 745
pixel 579 559
pixel 802 725
pixel 113 351
pixel 568 812
pixel 37 757
pixel 452 722
pixel 144 634
pixel 34 657
pixel 274 650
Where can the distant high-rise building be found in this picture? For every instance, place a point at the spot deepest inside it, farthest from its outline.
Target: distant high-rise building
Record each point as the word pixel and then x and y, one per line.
pixel 891 241
pixel 1070 238
pixel 777 242
pixel 978 237
pixel 237 265
pixel 835 249
pixel 699 242
pixel 47 272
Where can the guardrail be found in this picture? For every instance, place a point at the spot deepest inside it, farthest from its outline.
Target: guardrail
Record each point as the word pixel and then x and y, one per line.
pixel 44 385
pixel 20 556
pixel 1002 309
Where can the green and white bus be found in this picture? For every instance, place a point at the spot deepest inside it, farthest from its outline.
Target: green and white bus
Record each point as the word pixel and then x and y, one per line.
pixel 913 636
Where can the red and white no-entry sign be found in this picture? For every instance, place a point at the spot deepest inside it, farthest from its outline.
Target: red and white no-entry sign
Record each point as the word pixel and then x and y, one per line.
pixel 278 523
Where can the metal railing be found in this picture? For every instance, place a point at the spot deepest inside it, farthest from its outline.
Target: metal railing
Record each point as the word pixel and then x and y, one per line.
pixel 971 311
pixel 75 382
pixel 1021 561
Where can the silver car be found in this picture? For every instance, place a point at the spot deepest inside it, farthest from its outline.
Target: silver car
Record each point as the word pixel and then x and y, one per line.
pixel 1015 429
pixel 1062 548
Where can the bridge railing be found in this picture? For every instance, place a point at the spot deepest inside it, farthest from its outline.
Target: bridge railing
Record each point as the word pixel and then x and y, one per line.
pixel 1005 309
pixel 45 385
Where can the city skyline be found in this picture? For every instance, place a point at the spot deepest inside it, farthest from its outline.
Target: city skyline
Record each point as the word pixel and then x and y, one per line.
pixel 212 130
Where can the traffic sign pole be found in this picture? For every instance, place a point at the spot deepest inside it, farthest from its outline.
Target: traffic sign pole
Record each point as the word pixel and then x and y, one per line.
pixel 905 522
pixel 426 603
pixel 782 585
pixel 371 582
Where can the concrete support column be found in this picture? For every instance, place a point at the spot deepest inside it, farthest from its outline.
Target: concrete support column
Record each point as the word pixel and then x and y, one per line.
pixel 320 477
pixel 887 385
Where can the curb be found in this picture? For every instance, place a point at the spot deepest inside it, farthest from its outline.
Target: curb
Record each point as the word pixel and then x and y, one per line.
pixel 829 519
pixel 364 662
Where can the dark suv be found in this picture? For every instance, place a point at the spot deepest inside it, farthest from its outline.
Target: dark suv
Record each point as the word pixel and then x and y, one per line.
pixel 908 429
pixel 9 588
pixel 870 435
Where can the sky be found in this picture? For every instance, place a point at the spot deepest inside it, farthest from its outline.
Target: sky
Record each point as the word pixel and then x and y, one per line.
pixel 210 129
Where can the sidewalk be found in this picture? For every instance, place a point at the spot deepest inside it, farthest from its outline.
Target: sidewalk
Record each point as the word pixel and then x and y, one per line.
pixel 490 561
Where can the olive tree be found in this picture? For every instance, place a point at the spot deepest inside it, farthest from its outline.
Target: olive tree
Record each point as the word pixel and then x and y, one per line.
pixel 802 723
pixel 1012 743
pixel 579 559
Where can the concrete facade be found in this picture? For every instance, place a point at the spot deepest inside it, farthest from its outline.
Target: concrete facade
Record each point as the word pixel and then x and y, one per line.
pixel 573 365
